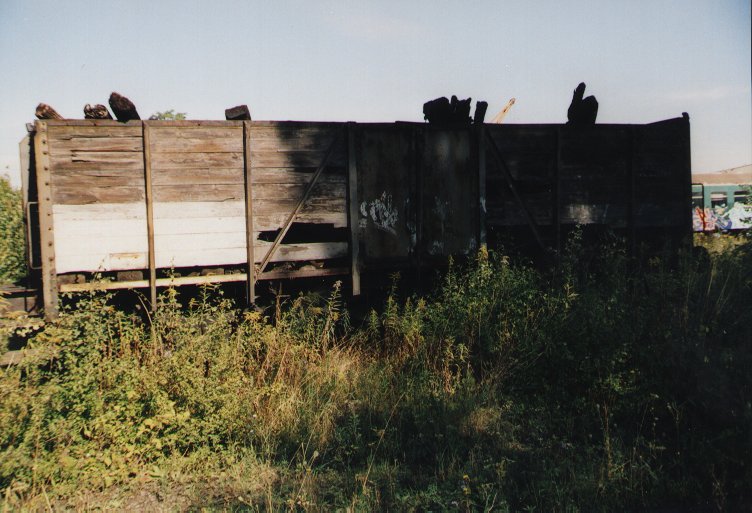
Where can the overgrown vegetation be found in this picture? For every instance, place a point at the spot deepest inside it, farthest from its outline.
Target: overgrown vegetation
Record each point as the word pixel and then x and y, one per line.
pixel 12 264
pixel 506 390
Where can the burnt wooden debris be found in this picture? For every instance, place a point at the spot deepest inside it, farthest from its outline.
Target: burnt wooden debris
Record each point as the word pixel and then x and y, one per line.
pixel 246 201
pixel 480 112
pixel 582 111
pixel 123 108
pixel 97 111
pixel 443 111
pixel 44 111
pixel 239 113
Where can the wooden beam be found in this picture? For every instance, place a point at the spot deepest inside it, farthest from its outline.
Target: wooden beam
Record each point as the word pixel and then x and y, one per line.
pixel 200 280
pixel 479 133
pixel 352 202
pixel 249 236
pixel 149 197
pixel 687 179
pixel 301 202
pixel 557 194
pixel 508 178
pixel 632 192
pixel 46 221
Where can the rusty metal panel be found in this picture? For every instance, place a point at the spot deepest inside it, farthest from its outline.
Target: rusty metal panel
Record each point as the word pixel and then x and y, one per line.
pixel 449 192
pixel 386 166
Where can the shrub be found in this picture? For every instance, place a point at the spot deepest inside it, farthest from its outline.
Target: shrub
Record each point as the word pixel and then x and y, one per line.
pixel 12 237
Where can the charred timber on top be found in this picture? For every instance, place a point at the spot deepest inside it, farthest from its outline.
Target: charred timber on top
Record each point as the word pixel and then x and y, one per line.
pixel 238 113
pixel 97 111
pixel 480 112
pixel 582 111
pixel 123 108
pixel 443 111
pixel 44 111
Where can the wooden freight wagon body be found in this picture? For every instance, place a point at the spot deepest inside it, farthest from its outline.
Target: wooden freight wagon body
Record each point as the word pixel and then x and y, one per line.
pixel 157 203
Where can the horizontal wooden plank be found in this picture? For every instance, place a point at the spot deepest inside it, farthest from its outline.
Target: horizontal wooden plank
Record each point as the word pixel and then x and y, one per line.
pixel 296 175
pixel 102 211
pixel 206 143
pixel 288 139
pixel 186 251
pixel 313 205
pixel 97 161
pixel 98 178
pixel 60 166
pixel 273 192
pixel 193 193
pixel 197 176
pixel 64 147
pixel 275 221
pixel 202 132
pixel 296 158
pixel 179 160
pixel 174 281
pixel 75 195
pixel 113 237
pixel 207 217
pixel 263 219
pixel 67 132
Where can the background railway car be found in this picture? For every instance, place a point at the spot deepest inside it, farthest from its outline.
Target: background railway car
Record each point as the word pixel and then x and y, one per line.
pixel 721 201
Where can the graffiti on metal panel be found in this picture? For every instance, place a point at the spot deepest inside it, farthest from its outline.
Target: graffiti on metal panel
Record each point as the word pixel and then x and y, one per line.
pixel 382 212
pixel 738 217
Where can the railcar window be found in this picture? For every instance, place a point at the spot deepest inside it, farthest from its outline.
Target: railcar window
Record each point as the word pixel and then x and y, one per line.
pixel 697 199
pixel 718 199
pixel 741 197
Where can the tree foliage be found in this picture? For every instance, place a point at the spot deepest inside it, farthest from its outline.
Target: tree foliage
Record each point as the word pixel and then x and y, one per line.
pixel 168 115
pixel 12 248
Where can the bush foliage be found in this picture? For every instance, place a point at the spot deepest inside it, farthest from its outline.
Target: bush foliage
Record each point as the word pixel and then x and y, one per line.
pixel 603 386
pixel 12 252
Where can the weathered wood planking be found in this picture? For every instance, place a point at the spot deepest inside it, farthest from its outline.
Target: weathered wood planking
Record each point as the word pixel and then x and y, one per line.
pixel 449 191
pixel 67 144
pixel 91 164
pixel 283 146
pixel 385 161
pixel 102 237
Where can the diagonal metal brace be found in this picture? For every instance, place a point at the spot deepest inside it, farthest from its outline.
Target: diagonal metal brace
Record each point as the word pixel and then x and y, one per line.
pixel 299 206
pixel 508 177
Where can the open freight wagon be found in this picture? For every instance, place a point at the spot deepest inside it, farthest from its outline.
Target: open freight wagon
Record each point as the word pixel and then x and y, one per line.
pixel 148 204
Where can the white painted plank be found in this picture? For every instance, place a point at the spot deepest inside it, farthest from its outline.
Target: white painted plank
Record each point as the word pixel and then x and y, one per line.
pixel 101 237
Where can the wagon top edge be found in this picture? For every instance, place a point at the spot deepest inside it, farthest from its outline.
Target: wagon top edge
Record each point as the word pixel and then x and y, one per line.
pixel 318 124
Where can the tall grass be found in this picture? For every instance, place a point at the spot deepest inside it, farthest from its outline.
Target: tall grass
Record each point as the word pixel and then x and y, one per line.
pixel 597 388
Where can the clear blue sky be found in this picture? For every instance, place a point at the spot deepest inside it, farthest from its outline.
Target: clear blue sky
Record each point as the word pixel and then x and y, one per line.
pixel 645 60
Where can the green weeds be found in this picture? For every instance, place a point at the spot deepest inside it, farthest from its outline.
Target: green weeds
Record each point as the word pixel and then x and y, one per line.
pixel 12 252
pixel 608 385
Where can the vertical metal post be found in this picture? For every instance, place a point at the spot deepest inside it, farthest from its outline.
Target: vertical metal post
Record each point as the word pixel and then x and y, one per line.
pixel 249 238
pixel 46 224
pixel 149 195
pixel 352 203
